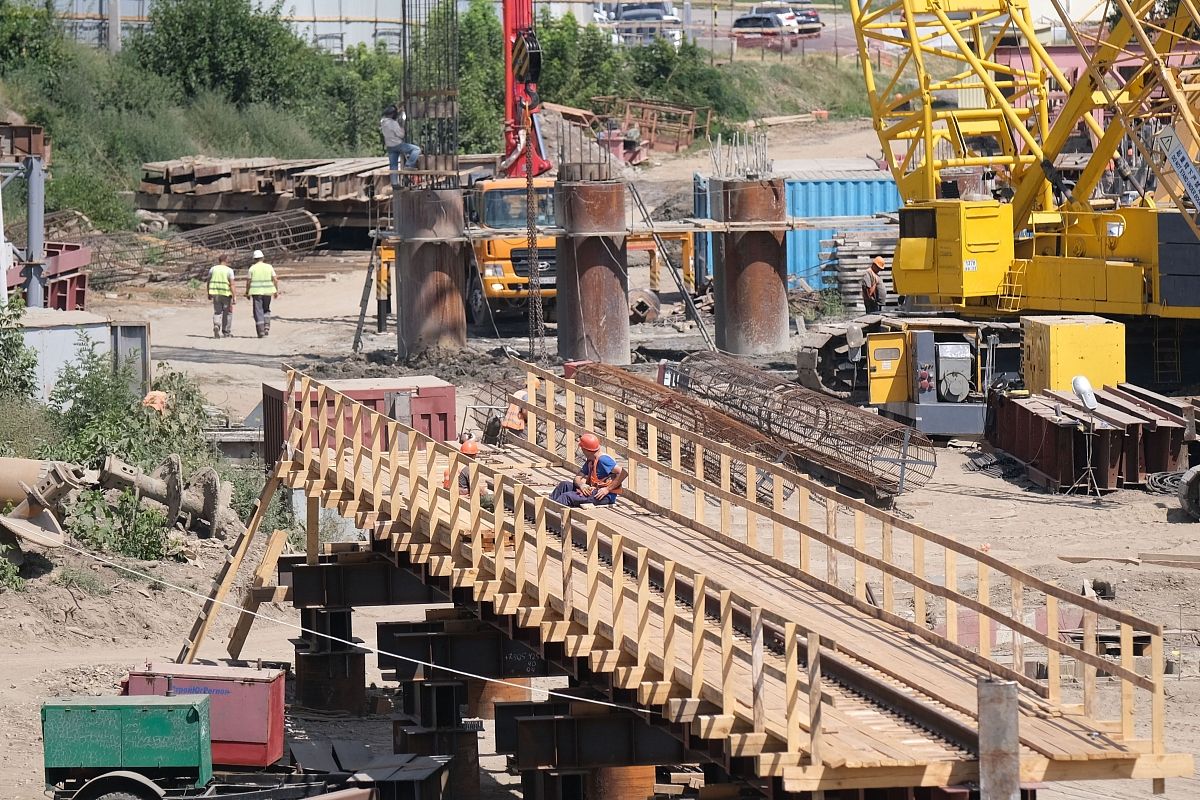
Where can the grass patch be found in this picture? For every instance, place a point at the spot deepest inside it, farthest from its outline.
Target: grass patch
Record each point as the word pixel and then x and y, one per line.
pixel 10 574
pixel 83 580
pixel 795 87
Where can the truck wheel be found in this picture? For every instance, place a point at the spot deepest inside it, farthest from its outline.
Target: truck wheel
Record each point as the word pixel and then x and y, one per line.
pixel 477 306
pixel 121 796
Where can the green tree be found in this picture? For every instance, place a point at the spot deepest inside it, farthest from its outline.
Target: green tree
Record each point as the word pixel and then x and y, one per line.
pixel 18 377
pixel 481 84
pixel 28 35
pixel 249 53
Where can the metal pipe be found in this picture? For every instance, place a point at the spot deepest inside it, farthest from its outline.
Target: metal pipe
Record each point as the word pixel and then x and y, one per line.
pixel 592 281
pixel 867 446
pixel 431 263
pixel 999 743
pixel 750 267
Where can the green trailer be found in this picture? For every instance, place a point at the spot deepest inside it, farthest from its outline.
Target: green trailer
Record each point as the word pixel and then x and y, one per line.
pixel 163 741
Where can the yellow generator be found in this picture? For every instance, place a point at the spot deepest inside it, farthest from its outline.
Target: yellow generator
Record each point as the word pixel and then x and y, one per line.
pixel 1057 348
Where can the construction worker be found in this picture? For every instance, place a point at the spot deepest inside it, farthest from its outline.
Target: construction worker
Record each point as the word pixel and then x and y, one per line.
pixel 470 449
pixel 261 286
pixel 515 417
pixel 221 290
pixel 599 479
pixel 393 142
pixel 874 294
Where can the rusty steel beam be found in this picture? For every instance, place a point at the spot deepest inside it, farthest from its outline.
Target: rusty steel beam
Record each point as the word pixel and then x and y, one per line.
pixel 750 267
pixel 873 448
pixel 430 270
pixel 592 280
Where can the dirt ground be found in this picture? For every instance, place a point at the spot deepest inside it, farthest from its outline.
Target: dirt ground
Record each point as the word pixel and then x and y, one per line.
pixel 55 640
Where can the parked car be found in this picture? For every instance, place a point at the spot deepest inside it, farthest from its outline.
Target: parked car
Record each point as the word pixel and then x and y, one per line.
pixel 781 10
pixel 641 23
pixel 759 25
pixel 808 21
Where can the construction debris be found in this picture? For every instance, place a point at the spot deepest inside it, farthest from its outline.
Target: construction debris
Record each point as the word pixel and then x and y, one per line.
pixel 864 446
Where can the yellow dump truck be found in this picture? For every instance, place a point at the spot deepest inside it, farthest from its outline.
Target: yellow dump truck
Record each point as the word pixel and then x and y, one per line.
pixel 504 267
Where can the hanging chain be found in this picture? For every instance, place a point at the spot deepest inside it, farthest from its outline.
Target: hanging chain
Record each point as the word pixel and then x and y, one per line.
pixel 537 321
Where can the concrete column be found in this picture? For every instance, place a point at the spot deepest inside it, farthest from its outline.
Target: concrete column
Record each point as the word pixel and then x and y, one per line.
pixel 592 281
pixel 35 249
pixel 114 26
pixel 430 270
pixel 750 267
pixel 999 745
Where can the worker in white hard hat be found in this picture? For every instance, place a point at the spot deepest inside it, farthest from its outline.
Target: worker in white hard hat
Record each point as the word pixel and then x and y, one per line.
pixel 261 286
pixel 222 291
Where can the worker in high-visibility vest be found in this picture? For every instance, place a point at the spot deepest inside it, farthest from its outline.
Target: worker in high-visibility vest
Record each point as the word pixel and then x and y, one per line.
pixel 261 286
pixel 222 291
pixel 599 479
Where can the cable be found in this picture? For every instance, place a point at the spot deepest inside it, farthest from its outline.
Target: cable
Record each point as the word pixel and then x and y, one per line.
pixel 361 646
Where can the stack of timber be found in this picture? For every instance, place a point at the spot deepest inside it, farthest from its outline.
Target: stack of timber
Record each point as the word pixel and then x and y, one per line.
pixel 848 253
pixel 1132 434
pixel 343 192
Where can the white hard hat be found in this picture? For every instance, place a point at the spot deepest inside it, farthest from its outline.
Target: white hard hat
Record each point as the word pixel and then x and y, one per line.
pixel 258 254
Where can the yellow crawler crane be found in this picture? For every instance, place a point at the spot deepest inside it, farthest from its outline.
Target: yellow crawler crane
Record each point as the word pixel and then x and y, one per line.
pixel 990 229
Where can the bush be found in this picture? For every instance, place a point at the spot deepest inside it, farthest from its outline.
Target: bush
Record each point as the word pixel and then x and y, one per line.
pixel 98 414
pixel 18 377
pixel 10 573
pixel 125 528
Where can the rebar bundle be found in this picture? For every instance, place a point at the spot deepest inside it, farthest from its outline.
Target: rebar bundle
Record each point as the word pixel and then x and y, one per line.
pixel 124 257
pixel 892 456
pixel 688 414
pixel 429 90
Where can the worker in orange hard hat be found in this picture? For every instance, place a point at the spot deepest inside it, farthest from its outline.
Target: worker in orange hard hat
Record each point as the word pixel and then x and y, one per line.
pixel 470 449
pixel 515 417
pixel 874 294
pixel 599 479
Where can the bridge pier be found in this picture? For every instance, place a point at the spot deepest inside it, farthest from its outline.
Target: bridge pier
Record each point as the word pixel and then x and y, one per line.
pixel 592 279
pixel 750 268
pixel 430 270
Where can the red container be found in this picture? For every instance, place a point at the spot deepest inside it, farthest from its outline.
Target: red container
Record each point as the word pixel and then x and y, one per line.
pixel 422 402
pixel 245 707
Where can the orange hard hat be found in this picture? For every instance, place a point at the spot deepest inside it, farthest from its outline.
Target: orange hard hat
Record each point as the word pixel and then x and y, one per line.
pixel 469 448
pixel 879 262
pixel 589 443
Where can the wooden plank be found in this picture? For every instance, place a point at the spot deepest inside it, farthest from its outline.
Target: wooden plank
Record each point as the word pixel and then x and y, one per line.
pixel 1089 670
pixel 699 629
pixel 728 685
pixel 791 657
pixel 816 735
pixel 251 603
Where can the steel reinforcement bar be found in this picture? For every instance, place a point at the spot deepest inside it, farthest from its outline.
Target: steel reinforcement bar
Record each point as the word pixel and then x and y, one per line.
pixel 894 455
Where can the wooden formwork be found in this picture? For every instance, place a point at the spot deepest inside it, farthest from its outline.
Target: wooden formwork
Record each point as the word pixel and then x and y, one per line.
pixel 756 628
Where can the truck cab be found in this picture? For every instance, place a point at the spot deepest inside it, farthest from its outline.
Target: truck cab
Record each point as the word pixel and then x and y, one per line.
pixel 504 267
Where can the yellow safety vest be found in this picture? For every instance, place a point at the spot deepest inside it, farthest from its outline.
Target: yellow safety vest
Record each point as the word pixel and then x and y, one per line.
pixel 261 278
pixel 220 280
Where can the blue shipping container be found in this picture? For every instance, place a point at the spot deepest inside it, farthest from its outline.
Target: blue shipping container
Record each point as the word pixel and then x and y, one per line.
pixel 817 194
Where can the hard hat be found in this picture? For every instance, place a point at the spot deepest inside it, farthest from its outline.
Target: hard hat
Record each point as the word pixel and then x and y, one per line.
pixel 589 443
pixel 879 262
pixel 258 254
pixel 469 448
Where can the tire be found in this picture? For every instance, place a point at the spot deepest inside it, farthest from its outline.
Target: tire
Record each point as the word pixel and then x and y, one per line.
pixel 476 301
pixel 122 796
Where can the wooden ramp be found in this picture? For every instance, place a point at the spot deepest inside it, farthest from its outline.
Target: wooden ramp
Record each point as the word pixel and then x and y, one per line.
pixel 807 643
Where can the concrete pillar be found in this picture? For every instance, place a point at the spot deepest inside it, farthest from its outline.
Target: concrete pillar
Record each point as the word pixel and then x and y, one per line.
pixel 999 745
pixel 35 249
pixel 114 26
pixel 430 270
pixel 620 783
pixel 592 281
pixel 750 267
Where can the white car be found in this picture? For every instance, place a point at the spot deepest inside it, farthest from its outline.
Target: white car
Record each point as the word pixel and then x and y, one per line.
pixel 781 10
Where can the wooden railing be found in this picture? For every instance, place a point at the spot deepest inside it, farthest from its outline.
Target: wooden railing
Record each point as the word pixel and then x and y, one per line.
pixel 852 548
pixel 614 597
